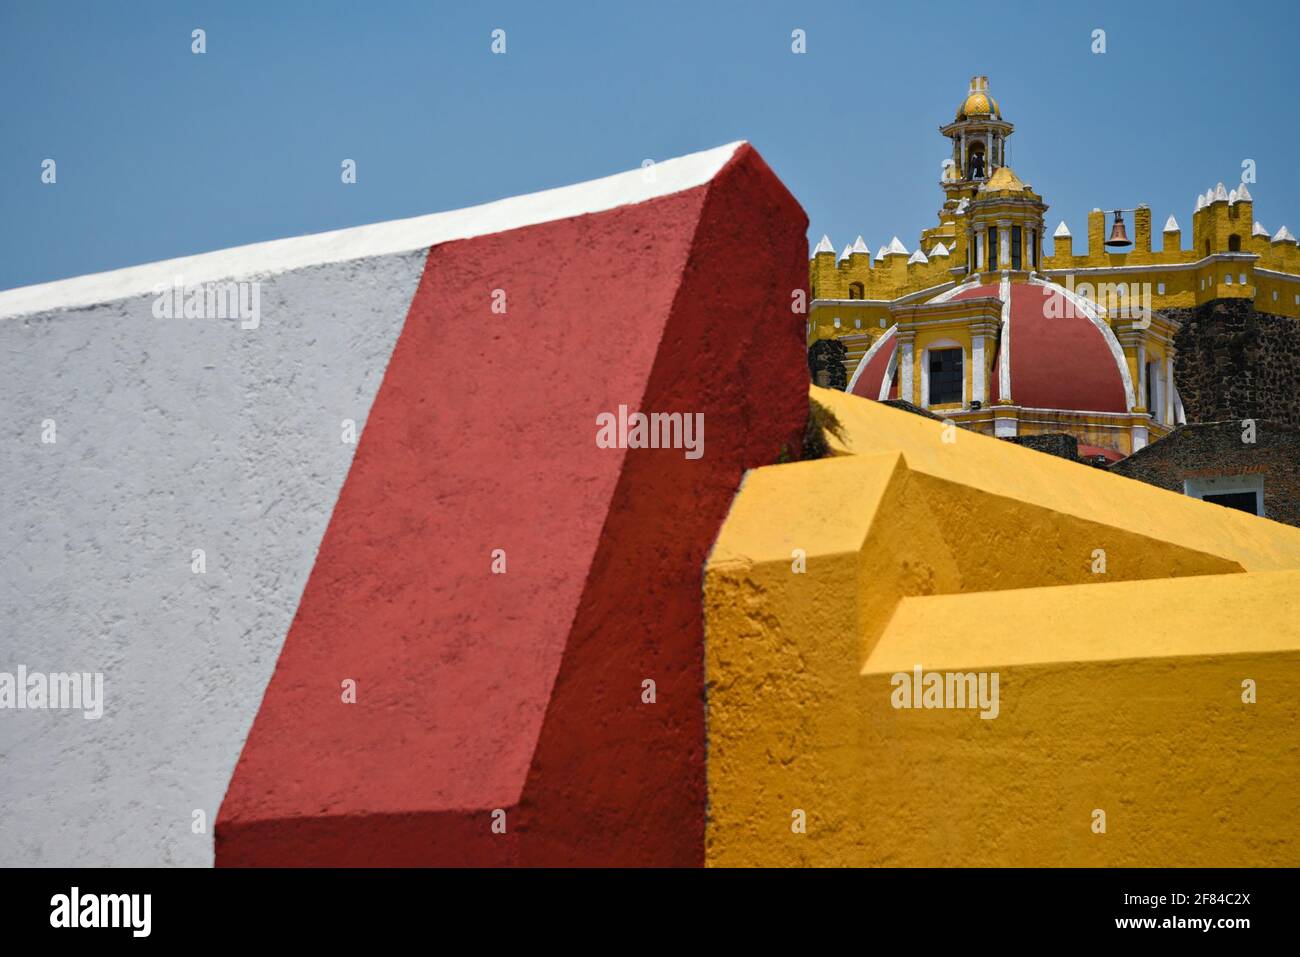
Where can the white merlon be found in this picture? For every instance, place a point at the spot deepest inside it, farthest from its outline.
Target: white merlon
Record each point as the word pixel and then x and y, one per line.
pixel 939 250
pixel 376 239
pixel 1171 224
pixel 896 248
pixel 1259 230
pixel 860 247
pixel 1220 194
pixel 1243 194
pixel 1283 235
pixel 824 246
pixel 1062 231
pixel 918 257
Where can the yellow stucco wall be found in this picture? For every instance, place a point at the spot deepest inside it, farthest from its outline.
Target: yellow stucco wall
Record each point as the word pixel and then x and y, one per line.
pixel 1119 690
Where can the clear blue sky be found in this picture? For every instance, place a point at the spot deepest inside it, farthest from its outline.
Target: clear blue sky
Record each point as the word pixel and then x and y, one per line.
pixel 163 153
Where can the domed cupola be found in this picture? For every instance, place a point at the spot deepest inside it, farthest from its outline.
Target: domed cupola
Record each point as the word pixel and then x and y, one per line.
pixel 978 136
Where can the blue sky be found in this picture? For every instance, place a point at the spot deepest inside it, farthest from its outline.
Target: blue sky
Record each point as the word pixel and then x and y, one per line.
pixel 163 153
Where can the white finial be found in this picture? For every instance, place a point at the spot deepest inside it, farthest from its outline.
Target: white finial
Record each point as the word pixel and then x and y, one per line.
pixel 1062 231
pixel 1171 224
pixel 918 257
pixel 824 246
pixel 1243 194
pixel 1259 230
pixel 1283 235
pixel 1220 194
pixel 939 250
pixel 860 247
pixel 896 248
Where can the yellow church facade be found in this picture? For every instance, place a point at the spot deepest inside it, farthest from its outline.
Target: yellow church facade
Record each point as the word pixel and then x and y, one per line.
pixel 980 325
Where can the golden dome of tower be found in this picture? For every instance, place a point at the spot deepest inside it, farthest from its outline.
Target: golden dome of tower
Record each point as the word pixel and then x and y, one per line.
pixel 978 102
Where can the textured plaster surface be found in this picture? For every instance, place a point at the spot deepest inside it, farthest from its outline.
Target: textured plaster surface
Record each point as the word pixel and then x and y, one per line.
pixel 172 435
pixel 1120 689
pixel 518 699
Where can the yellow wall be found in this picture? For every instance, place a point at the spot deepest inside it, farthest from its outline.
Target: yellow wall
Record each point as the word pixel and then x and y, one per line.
pixel 1119 691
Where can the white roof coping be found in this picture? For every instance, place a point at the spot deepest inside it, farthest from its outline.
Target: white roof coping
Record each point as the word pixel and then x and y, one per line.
pixel 1171 224
pixel 845 254
pixel 896 248
pixel 376 239
pixel 939 250
pixel 1283 235
pixel 1062 231
pixel 860 247
pixel 824 246
pixel 1243 194
pixel 1220 194
pixel 1259 230
pixel 918 257
pixel 880 253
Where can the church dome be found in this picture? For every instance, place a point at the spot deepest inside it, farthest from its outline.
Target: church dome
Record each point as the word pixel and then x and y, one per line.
pixel 978 102
pixel 1058 354
pixel 1003 179
pixel 1053 353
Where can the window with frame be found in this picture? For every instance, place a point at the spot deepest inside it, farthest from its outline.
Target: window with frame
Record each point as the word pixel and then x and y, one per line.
pixel 945 376
pixel 993 247
pixel 1015 247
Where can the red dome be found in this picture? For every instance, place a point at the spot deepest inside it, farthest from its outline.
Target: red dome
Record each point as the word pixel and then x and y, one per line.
pixel 875 366
pixel 1060 358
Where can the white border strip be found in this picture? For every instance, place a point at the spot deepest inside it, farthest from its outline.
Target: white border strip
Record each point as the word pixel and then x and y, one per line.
pixel 862 363
pixel 376 239
pixel 1004 347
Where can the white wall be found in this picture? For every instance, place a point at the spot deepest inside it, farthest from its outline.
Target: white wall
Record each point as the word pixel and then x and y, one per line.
pixel 172 435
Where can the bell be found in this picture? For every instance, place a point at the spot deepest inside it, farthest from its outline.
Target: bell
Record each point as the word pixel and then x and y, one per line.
pixel 1118 234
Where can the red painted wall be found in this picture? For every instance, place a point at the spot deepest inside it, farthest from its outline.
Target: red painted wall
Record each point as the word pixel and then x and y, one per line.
pixel 523 691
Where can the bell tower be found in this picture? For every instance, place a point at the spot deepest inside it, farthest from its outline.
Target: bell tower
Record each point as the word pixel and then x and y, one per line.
pixel 979 136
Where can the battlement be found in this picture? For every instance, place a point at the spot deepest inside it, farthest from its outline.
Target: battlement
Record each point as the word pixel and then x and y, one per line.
pixel 1231 255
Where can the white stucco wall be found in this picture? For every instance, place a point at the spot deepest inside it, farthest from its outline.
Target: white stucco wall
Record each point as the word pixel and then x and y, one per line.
pixel 172 434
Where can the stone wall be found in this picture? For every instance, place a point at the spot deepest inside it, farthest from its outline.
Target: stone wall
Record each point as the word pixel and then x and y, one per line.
pixel 1214 449
pixel 1053 443
pixel 1234 362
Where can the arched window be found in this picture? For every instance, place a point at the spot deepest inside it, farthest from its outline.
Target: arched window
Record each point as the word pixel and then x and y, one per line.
pixel 1234 243
pixel 856 291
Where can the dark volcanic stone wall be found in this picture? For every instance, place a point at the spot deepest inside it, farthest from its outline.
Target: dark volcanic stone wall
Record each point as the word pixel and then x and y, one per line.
pixel 1053 443
pixel 1212 449
pixel 1235 363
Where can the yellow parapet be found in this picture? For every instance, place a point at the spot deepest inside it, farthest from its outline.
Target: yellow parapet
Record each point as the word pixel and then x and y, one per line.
pixel 938 648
